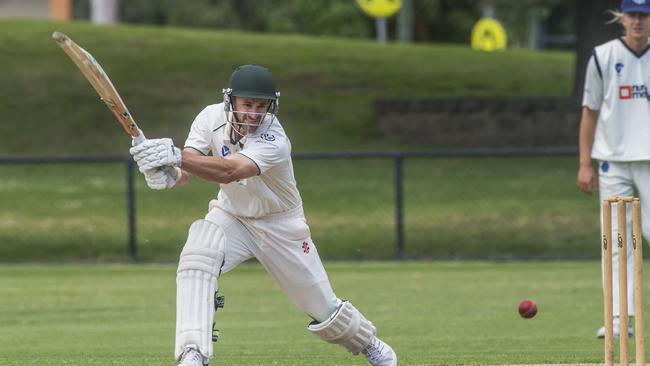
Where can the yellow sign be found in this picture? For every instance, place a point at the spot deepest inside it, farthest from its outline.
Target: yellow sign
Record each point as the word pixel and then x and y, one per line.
pixel 488 35
pixel 380 8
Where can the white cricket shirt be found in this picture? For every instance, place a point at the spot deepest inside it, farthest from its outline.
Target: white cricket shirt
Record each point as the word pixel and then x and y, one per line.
pixel 616 85
pixel 274 189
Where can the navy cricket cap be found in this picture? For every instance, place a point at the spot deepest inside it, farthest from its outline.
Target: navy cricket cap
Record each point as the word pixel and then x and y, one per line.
pixel 635 6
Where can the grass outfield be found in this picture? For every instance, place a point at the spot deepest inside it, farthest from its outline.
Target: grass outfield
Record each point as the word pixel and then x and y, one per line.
pixel 432 313
pixel 454 208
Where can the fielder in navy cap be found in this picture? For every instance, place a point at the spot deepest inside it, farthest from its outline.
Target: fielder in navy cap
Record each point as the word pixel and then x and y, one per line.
pixel 615 135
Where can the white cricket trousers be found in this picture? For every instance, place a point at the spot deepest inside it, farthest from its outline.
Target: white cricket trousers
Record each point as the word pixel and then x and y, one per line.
pixel 282 244
pixel 623 179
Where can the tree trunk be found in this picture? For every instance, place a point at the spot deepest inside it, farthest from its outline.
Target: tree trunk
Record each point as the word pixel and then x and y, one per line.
pixel 405 22
pixel 103 11
pixel 592 30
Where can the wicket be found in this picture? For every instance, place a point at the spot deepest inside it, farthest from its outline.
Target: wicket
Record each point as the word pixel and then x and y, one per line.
pixel 637 244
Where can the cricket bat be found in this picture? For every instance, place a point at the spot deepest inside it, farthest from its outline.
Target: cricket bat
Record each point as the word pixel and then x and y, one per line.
pixel 96 76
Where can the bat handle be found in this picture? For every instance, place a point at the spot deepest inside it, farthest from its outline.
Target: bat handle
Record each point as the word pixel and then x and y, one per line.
pixel 138 139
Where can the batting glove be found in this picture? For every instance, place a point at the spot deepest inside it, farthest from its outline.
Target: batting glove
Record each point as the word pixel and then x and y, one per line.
pixel 156 153
pixel 162 178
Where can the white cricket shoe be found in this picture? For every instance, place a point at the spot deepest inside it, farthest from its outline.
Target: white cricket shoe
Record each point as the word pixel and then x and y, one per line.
pixel 192 357
pixel 378 353
pixel 617 329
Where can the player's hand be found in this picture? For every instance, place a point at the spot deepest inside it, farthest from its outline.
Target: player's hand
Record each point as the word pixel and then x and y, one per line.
pixel 162 178
pixel 587 179
pixel 156 153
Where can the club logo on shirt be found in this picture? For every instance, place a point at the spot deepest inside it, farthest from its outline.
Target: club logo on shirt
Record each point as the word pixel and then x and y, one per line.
pixel 305 247
pixel 267 137
pixel 633 92
pixel 618 67
pixel 225 150
pixel 604 167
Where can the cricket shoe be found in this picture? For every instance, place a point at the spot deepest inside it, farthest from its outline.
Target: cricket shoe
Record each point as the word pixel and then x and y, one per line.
pixel 378 353
pixel 192 357
pixel 616 330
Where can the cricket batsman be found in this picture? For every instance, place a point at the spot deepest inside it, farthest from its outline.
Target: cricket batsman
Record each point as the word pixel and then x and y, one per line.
pixel 241 145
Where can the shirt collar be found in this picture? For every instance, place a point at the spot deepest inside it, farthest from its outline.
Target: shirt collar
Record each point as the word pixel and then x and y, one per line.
pixel 225 136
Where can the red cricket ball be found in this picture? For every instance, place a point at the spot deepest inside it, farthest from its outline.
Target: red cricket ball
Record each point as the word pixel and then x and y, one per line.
pixel 527 309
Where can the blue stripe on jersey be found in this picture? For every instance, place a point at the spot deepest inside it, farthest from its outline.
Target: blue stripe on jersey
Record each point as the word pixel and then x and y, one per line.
pixel 638 55
pixel 645 50
pixel 600 72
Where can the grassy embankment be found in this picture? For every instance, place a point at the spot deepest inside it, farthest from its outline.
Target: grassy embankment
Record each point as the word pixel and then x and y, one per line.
pixel 167 75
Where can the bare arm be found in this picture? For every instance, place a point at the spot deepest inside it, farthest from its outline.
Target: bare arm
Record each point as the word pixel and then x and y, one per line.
pixel 216 168
pixel 587 179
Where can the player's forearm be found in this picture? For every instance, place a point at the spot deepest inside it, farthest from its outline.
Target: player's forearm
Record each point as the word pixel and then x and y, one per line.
pixel 210 168
pixel 588 122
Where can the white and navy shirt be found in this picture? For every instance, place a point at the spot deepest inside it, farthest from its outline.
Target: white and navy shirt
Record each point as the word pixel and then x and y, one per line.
pixel 274 189
pixel 616 85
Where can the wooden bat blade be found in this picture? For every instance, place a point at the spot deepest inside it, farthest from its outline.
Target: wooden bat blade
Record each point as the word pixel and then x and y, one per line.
pixel 96 76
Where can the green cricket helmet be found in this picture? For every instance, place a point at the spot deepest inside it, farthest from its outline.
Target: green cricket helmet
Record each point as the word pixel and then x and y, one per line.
pixel 253 81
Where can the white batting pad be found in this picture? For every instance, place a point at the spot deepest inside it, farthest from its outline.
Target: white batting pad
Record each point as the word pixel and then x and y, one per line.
pixel 196 282
pixel 347 327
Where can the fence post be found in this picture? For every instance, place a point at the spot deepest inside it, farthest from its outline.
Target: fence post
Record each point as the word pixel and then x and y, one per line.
pixel 130 207
pixel 399 204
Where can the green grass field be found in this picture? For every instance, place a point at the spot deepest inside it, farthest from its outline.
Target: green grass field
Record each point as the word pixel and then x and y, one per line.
pixel 453 208
pixel 432 313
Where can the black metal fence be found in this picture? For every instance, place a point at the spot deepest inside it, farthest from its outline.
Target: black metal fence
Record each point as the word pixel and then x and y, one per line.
pixel 398 175
pixel 99 159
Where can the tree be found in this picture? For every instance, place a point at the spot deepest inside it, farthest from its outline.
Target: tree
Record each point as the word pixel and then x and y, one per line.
pixel 103 11
pixel 591 30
